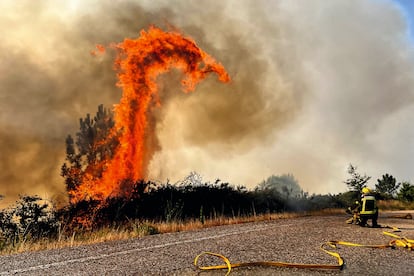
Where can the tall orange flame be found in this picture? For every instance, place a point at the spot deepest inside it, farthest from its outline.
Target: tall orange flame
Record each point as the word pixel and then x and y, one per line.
pixel 139 63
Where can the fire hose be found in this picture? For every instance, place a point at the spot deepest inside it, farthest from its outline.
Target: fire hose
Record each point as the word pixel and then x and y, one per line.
pixel 398 241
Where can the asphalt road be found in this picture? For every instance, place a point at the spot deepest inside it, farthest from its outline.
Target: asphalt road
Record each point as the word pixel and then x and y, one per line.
pixel 287 240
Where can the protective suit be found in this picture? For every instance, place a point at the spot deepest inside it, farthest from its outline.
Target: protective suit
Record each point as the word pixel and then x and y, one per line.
pixel 364 210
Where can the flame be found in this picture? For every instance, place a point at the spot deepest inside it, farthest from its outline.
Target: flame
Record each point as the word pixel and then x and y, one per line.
pixel 139 62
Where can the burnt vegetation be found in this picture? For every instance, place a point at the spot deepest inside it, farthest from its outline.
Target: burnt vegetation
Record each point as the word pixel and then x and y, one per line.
pixel 191 199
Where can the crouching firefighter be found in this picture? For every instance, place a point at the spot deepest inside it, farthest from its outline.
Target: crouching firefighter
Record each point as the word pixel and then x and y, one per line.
pixel 365 210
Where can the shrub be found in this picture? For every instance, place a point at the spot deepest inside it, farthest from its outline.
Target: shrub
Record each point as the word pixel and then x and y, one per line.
pixel 31 218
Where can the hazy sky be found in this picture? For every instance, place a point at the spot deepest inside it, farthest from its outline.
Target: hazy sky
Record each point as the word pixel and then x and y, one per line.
pixel 316 85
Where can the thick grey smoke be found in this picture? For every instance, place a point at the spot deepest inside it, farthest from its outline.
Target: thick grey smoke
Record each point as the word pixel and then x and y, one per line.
pixel 315 85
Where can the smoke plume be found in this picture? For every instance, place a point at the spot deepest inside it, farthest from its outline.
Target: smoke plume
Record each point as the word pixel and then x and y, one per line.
pixel 316 85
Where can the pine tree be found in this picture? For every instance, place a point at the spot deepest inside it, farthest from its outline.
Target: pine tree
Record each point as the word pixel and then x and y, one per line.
pixel 356 181
pixel 387 186
pixel 406 193
pixel 95 144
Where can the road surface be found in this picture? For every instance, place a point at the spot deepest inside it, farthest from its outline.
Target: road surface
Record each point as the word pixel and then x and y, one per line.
pixel 286 240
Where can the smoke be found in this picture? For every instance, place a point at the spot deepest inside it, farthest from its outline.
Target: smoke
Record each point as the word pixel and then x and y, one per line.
pixel 315 85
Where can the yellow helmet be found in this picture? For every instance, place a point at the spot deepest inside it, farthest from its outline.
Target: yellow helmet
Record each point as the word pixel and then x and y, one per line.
pixel 366 190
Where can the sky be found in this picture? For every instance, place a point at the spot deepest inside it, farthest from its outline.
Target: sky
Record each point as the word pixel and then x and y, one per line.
pixel 316 85
pixel 407 9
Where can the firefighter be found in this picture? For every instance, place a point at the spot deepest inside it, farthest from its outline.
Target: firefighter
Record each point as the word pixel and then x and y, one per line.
pixel 368 208
pixel 354 211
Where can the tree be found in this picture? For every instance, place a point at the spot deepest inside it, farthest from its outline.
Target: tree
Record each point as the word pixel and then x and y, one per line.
pixel 406 192
pixel 286 185
pixel 95 143
pixel 356 181
pixel 387 186
pixel 193 179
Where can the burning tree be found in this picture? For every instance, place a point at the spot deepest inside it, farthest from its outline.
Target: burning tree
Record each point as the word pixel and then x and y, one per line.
pixel 86 157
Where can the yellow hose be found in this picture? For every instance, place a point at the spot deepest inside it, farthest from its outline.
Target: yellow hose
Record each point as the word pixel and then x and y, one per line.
pixel 396 242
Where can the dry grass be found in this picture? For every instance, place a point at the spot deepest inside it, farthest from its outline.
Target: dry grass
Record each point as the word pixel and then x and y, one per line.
pixel 136 229
pixel 177 226
pixel 393 205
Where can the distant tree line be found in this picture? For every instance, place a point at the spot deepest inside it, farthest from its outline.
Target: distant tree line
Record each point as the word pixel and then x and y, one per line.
pixel 386 187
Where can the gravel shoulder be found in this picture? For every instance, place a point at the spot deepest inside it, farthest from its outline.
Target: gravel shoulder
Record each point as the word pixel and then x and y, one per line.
pixel 285 240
